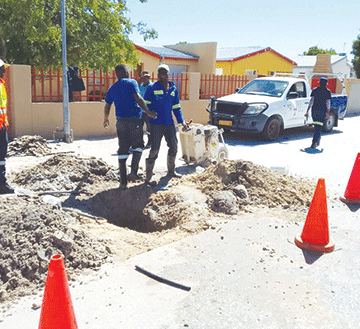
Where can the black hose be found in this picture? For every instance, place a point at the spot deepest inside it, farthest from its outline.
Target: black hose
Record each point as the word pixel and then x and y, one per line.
pixel 162 280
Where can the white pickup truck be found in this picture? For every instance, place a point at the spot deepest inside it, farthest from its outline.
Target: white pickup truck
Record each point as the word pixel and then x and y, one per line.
pixel 269 105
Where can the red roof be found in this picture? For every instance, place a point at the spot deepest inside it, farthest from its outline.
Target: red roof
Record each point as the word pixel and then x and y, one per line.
pixel 261 51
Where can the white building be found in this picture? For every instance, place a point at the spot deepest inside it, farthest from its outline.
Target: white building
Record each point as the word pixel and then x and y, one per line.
pixel 339 63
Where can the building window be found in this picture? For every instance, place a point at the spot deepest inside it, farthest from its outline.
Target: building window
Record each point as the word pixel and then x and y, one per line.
pixel 218 71
pixel 251 72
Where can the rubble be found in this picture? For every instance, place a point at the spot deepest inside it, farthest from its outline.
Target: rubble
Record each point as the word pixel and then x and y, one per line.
pixel 29 145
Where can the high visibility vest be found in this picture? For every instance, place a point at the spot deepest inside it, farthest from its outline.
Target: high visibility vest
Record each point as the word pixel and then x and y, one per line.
pixel 3 104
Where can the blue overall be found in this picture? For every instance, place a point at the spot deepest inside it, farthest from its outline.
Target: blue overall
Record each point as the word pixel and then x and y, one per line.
pixel 318 112
pixel 164 103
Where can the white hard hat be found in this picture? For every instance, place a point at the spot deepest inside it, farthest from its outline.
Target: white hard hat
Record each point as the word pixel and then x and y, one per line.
pixel 2 63
pixel 163 67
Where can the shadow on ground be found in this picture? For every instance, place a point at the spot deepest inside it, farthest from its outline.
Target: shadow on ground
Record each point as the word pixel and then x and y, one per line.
pixel 248 139
pixel 311 150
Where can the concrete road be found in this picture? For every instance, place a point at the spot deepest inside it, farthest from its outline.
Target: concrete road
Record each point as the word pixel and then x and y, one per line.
pixel 245 274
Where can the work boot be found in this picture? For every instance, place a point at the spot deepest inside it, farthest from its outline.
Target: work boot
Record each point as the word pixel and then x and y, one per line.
pixel 171 167
pixel 150 163
pixel 314 145
pixel 123 174
pixel 6 189
pixel 133 176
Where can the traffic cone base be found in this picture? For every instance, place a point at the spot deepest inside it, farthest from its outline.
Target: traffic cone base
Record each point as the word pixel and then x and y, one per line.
pixel 315 234
pixel 348 201
pixel 313 247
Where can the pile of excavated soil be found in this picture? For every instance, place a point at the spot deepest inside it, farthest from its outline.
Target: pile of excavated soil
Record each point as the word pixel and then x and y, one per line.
pixel 32 230
pixel 66 172
pixel 29 145
pixel 255 185
pixel 228 188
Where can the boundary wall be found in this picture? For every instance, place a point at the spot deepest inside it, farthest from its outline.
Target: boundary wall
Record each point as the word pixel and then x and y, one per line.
pixel 353 90
pixel 86 118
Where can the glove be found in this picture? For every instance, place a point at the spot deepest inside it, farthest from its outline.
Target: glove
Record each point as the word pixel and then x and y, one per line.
pixel 154 114
pixel 185 126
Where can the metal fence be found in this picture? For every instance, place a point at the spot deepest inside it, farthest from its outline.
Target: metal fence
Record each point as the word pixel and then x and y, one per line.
pixel 47 84
pixel 220 85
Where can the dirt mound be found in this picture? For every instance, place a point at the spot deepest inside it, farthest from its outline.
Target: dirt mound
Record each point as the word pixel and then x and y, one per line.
pixel 229 188
pixel 31 231
pixel 255 185
pixel 29 145
pixel 66 172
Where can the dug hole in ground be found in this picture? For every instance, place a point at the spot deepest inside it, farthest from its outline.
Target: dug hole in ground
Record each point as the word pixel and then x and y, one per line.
pixel 100 227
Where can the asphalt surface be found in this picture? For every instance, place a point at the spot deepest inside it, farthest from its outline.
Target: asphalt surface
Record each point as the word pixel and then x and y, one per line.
pixel 246 273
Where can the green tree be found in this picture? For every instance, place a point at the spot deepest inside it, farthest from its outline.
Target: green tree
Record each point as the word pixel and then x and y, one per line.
pixel 356 53
pixel 315 50
pixel 97 33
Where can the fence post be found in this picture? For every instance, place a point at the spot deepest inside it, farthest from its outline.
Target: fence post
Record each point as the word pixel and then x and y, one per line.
pixel 194 86
pixel 20 100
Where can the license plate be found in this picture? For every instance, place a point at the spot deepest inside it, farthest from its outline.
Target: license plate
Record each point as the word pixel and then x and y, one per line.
pixel 225 123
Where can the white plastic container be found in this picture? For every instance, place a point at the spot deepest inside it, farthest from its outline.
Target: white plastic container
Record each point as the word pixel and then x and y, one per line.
pixel 211 141
pixel 192 142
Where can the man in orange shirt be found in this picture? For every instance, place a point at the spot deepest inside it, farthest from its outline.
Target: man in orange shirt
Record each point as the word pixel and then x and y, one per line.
pixel 4 187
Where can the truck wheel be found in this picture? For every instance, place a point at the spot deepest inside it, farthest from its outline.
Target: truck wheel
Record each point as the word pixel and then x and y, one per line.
pixel 272 129
pixel 329 123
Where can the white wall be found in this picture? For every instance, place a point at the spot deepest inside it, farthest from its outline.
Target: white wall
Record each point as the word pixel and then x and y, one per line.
pixel 353 90
pixel 342 68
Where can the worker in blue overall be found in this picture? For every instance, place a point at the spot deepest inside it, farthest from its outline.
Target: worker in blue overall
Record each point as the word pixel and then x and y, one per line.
pixel 128 102
pixel 320 104
pixel 163 98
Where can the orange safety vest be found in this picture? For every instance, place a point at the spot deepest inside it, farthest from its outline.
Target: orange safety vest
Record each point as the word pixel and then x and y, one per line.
pixel 3 103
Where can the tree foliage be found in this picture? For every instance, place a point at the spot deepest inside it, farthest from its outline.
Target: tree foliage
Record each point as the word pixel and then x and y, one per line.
pixel 97 33
pixel 315 50
pixel 356 53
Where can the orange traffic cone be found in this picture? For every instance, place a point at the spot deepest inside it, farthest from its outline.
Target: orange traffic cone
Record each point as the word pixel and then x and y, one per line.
pixel 352 192
pixel 315 234
pixel 57 310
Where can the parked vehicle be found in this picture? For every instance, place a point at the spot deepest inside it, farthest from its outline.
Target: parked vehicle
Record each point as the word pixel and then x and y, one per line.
pixel 269 105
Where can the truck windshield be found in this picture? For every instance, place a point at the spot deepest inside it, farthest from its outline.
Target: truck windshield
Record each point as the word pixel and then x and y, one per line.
pixel 265 87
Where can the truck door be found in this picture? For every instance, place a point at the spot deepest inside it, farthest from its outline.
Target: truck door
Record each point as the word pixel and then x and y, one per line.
pixel 297 107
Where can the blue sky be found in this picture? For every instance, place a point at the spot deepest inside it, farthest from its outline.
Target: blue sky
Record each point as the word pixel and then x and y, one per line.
pixel 289 27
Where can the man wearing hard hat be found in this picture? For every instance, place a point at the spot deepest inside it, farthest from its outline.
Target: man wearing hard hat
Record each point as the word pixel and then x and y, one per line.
pixel 163 98
pixel 4 187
